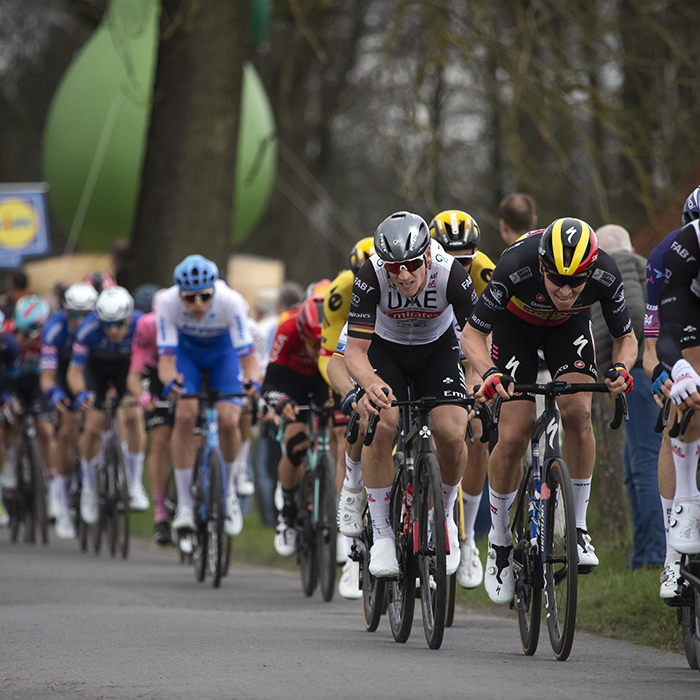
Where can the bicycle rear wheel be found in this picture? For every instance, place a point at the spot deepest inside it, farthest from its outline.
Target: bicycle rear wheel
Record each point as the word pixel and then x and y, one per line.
pixel 373 589
pixel 401 594
pixel 39 490
pixel 215 519
pixel 527 568
pixel 432 537
pixel 121 514
pixel 306 535
pixel 561 561
pixel 452 580
pixel 327 528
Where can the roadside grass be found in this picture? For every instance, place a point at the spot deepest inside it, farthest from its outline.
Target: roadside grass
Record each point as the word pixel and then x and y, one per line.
pixel 613 601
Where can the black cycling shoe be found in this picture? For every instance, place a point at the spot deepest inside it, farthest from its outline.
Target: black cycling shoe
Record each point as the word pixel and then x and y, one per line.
pixel 161 533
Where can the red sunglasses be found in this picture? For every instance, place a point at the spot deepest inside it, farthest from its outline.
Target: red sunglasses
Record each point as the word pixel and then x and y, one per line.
pixel 408 265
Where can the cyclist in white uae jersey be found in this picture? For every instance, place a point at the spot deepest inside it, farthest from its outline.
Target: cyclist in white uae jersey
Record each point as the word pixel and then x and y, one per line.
pixel 202 324
pixel 399 330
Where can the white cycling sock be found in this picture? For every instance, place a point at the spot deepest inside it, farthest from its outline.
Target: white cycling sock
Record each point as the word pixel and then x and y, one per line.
pixel 500 517
pixel 60 484
pixel 685 460
pixel 240 464
pixel 470 508
pixel 449 496
pixel 88 470
pixel 353 474
pixel 231 474
pixel 379 507
pixel 582 494
pixel 667 507
pixel 136 466
pixel 183 485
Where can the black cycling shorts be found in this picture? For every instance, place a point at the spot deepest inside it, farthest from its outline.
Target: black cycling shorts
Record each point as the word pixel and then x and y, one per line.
pixel 164 413
pixel 31 396
pixel 101 373
pixel 567 347
pixel 433 368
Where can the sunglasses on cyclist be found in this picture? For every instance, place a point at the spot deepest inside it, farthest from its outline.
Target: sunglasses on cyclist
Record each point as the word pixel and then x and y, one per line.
pixel 466 258
pixel 32 334
pixel 408 265
pixel 76 315
pixel 563 280
pixel 191 297
pixel 114 324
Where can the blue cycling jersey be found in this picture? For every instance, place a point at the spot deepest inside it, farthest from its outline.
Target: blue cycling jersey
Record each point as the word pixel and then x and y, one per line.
pixel 91 341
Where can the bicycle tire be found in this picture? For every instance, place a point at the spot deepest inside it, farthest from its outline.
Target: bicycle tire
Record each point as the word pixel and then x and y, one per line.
pixel 373 589
pixel 226 561
pixel 122 505
pixel 401 592
pixel 432 546
pixel 452 580
pixel 696 600
pixel 110 509
pixel 199 536
pixel 38 490
pixel 100 524
pixel 306 536
pixel 686 616
pixel 215 519
pixel 25 497
pixel 327 527
pixel 561 560
pixel 527 569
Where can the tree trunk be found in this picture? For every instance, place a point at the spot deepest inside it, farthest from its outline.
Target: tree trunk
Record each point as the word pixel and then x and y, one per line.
pixel 612 498
pixel 186 200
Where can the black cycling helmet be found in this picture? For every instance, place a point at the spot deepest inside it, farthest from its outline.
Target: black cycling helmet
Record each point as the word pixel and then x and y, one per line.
pixel 568 247
pixel 143 297
pixel 401 236
pixel 454 230
pixel 691 208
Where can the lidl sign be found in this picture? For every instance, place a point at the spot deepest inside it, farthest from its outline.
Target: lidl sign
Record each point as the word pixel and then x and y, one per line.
pixel 23 227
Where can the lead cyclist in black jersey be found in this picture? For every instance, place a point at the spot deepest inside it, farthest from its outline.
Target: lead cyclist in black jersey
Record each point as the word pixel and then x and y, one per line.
pixel 539 297
pixel 399 330
pixel 678 349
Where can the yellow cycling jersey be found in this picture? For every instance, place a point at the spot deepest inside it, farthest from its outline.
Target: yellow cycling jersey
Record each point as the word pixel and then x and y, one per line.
pixel 480 272
pixel 336 307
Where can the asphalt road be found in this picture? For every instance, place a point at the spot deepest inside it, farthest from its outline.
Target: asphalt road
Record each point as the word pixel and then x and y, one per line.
pixel 80 626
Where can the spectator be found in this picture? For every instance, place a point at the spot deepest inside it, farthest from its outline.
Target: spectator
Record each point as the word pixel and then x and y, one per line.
pixel 17 286
pixel 516 216
pixel 641 445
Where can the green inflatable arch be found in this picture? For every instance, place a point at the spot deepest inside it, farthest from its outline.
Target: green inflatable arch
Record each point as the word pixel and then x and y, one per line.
pixel 95 134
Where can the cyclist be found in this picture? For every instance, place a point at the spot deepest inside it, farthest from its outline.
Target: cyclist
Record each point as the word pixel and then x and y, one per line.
pixel 100 360
pixel 538 297
pixel 9 371
pixel 100 281
pixel 292 377
pixel 678 349
pixel 202 324
pixel 142 381
pixel 661 386
pixel 56 345
pixel 30 314
pixel 458 233
pixel 399 330
pixel 336 307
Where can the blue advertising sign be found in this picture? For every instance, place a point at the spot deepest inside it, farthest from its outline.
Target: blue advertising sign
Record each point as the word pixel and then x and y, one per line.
pixel 24 229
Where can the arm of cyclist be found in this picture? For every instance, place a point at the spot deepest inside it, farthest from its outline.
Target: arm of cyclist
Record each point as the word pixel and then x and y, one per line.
pixel 251 373
pixel 660 379
pixel 278 400
pixel 360 369
pixel 624 355
pixel 169 376
pixel 475 344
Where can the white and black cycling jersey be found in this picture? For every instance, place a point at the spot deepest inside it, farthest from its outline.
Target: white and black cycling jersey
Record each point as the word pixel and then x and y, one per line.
pixel 378 307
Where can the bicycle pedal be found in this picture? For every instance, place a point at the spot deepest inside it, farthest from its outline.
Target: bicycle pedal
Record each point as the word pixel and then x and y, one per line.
pixel 585 569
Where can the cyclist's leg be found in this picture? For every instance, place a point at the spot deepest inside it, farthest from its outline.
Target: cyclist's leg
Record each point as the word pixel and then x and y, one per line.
pixel 667 486
pixel 64 464
pixel 158 471
pixel 89 457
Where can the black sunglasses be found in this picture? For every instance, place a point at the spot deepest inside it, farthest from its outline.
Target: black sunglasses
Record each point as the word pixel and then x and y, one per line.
pixel 563 280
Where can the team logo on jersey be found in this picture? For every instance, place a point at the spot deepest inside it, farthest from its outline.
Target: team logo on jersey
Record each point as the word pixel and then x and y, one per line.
pixel 540 297
pixel 603 277
pixel 579 344
pixel 689 329
pixel 512 366
pixel 682 252
pixel 447 380
pixel 520 275
pixel 498 291
pixel 579 364
pixel 619 294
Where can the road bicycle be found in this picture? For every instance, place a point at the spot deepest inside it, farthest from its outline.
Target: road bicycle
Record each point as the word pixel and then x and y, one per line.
pixel 545 552
pixel 211 552
pixel 687 603
pixel 112 487
pixel 317 531
pixel 26 502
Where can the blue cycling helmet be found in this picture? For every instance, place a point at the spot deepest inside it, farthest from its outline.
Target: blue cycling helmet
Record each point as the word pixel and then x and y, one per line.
pixel 691 209
pixel 195 273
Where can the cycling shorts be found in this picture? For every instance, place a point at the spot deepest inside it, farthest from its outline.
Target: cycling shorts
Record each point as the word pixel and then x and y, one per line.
pixel 219 359
pixel 101 373
pixel 163 413
pixel 30 395
pixel 433 368
pixel 567 347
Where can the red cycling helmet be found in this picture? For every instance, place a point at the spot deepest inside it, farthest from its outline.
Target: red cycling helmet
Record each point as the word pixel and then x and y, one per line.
pixel 100 281
pixel 310 318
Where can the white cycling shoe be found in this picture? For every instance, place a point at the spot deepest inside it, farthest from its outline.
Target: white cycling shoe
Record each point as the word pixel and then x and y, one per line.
pixel 184 518
pixel 684 527
pixel 453 558
pixel 470 573
pixel 89 509
pixel 138 498
pixel 586 551
pixel 670 578
pixel 65 528
pixel 349 584
pixel 234 523
pixel 350 511
pixel 499 580
pixel 382 559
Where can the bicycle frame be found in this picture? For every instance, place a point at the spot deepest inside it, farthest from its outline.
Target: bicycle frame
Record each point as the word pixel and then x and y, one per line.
pixel 210 443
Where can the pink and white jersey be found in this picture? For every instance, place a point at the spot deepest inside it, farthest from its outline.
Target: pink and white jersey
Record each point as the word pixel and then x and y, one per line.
pixel 227 314
pixel 144 349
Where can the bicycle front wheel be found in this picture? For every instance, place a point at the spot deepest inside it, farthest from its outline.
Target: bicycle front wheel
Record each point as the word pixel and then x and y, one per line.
pixel 561 560
pixel 373 589
pixel 215 519
pixel 327 527
pixel 452 580
pixel 39 491
pixel 527 568
pixel 401 592
pixel 121 514
pixel 432 537
pixel 306 536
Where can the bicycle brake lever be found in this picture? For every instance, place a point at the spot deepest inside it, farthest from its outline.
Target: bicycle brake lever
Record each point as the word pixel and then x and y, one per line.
pixel 662 420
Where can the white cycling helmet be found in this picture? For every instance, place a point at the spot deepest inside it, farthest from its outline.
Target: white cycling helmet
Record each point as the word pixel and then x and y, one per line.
pixel 114 304
pixel 80 296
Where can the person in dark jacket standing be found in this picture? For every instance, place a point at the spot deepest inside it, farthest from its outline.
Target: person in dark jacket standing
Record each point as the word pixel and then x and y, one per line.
pixel 641 447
